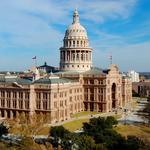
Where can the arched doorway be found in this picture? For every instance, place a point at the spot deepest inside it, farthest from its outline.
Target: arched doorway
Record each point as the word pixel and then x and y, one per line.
pixel 113 90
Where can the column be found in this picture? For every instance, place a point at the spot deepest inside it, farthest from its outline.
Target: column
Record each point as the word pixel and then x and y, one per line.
pixel 70 55
pixel 23 100
pixel 11 114
pixel 5 99
pixel 48 101
pixel 71 43
pixel 17 100
pixel 65 55
pixel 88 104
pixel 79 56
pixel 11 99
pixel 32 100
pixel 75 55
pixel 5 113
pixel 86 55
pixel 41 100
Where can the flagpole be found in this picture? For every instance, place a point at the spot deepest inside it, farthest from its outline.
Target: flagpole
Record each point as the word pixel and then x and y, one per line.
pixel 35 61
pixel 110 58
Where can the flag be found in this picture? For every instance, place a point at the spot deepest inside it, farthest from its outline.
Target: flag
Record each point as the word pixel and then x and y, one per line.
pixel 34 57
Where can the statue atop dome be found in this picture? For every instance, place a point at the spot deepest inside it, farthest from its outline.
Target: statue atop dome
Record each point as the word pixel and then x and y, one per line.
pixel 75 17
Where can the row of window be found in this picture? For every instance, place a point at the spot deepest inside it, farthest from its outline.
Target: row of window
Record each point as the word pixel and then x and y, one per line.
pixel 21 104
pixel 91 90
pixel 73 66
pixel 74 43
pixel 42 104
pixel 64 94
pixel 91 81
pixel 42 95
pixel 20 95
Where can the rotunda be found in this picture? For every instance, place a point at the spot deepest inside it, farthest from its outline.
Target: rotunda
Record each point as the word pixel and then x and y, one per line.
pixel 75 55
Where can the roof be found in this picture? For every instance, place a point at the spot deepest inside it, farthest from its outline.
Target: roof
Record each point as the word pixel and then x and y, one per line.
pixel 95 71
pixel 67 72
pixel 17 80
pixel 76 29
pixel 45 65
pixel 53 80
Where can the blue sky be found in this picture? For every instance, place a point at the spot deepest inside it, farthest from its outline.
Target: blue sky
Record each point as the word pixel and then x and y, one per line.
pixel 36 28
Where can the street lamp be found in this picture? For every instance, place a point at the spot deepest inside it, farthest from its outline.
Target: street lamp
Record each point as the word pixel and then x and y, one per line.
pixel 125 113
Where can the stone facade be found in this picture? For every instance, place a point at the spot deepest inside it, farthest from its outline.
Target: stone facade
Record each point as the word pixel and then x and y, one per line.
pixel 76 87
pixel 56 97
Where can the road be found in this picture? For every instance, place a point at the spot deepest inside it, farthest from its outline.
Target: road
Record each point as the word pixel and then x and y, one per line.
pixel 131 116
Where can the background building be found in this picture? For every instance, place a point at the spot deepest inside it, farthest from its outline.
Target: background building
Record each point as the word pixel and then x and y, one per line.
pixel 134 76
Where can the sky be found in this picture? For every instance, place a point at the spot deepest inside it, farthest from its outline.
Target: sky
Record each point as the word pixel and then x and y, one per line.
pixel 31 28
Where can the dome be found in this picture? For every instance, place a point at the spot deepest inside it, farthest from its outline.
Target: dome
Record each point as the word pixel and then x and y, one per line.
pixel 76 30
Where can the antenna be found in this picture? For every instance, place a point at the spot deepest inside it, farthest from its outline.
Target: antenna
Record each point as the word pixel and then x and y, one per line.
pixel 110 58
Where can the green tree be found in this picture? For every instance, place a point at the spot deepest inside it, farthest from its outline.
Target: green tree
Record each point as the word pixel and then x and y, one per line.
pixel 85 142
pixel 135 143
pixel 3 129
pixel 101 130
pixel 58 131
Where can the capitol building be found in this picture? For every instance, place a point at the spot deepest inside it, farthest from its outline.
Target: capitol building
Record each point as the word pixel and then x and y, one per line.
pixel 76 87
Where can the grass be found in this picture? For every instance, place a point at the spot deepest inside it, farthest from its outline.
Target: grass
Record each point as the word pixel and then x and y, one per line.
pixel 25 130
pixel 75 125
pixel 140 131
pixel 43 131
pixel 117 116
pixel 85 113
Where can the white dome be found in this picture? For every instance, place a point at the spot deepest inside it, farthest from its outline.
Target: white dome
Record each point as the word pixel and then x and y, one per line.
pixel 75 30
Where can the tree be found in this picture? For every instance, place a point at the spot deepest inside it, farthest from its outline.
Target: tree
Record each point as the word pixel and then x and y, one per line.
pixel 101 130
pixel 85 142
pixel 58 134
pixel 3 129
pixel 133 142
pixel 58 131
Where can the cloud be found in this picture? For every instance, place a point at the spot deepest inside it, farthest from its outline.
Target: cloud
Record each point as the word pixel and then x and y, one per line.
pixel 36 27
pixel 131 56
pixel 30 22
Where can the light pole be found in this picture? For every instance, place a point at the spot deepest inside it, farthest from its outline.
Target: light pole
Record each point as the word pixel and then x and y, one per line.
pixel 125 113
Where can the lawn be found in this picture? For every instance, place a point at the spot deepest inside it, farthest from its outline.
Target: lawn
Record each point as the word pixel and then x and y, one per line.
pixel 140 131
pixel 85 113
pixel 75 125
